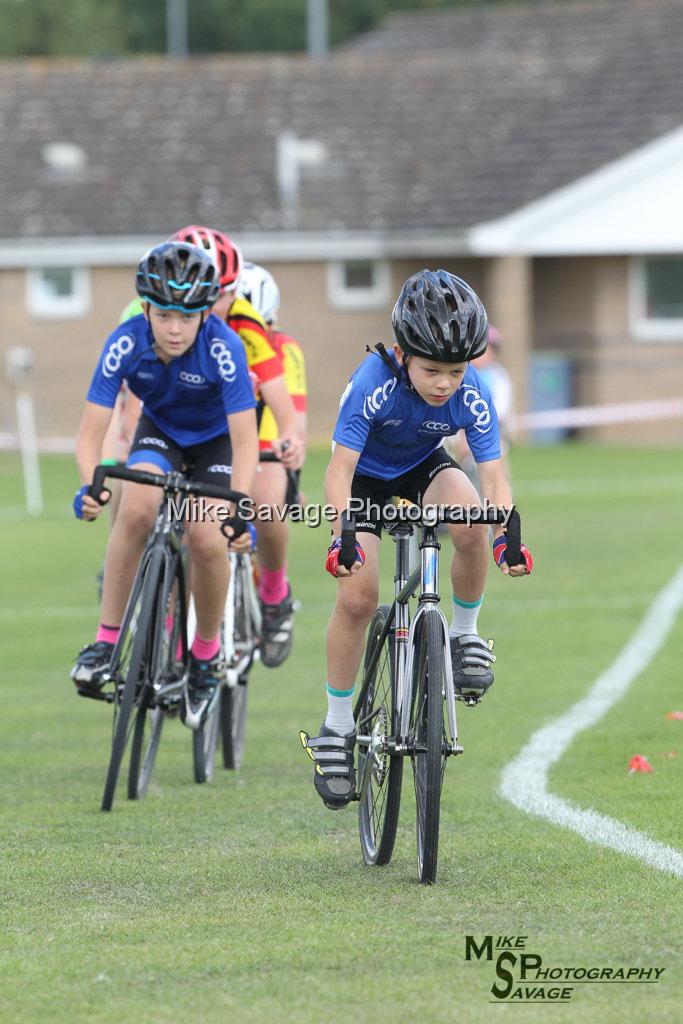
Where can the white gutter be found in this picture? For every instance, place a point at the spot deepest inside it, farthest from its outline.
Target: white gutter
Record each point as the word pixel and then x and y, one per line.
pixel 275 247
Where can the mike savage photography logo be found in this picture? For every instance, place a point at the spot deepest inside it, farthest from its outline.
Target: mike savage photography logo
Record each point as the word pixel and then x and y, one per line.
pixel 521 976
pixel 205 510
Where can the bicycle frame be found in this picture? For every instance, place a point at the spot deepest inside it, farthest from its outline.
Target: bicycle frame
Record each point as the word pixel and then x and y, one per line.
pixel 426 577
pixel 167 534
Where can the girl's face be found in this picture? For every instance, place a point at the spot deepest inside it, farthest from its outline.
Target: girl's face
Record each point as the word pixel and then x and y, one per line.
pixel 173 332
pixel 434 382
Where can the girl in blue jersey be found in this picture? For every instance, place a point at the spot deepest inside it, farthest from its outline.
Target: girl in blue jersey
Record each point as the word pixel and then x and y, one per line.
pixel 190 371
pixel 394 414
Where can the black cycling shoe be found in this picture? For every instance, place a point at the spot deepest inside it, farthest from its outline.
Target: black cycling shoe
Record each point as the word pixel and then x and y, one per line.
pixel 202 690
pixel 472 658
pixel 91 668
pixel 334 776
pixel 276 631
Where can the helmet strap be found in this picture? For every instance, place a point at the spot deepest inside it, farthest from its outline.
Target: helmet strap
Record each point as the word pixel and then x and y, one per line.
pixel 404 373
pixel 385 357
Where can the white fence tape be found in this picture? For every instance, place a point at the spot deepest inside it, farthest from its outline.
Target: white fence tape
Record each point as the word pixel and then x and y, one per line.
pixel 579 416
pixel 599 415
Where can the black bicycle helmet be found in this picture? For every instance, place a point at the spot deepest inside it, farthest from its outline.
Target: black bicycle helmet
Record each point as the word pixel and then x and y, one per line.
pixel 178 275
pixel 438 316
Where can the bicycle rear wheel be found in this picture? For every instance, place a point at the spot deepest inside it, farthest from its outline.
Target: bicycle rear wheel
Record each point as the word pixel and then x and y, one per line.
pixel 132 664
pixel 380 774
pixel 149 721
pixel 427 738
pixel 204 742
pixel 233 722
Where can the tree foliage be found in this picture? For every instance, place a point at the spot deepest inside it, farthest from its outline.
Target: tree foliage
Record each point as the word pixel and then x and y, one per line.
pixel 111 27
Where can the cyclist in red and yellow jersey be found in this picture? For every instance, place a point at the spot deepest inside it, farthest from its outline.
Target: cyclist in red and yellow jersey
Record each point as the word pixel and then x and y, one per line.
pixel 273 485
pixel 266 359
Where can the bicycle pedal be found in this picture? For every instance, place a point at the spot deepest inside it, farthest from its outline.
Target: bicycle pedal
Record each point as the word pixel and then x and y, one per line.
pixel 470 700
pixel 94 693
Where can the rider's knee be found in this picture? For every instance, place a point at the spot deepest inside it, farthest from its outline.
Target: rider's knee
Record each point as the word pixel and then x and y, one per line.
pixel 136 518
pixel 206 541
pixel 472 540
pixel 358 606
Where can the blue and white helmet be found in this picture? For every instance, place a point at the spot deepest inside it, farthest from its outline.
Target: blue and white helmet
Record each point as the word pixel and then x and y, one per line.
pixel 177 275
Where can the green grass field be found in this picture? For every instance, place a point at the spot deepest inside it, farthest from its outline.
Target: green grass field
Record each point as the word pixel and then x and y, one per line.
pixel 246 899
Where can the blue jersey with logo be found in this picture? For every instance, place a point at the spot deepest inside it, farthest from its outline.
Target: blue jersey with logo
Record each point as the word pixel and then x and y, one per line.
pixel 395 430
pixel 188 398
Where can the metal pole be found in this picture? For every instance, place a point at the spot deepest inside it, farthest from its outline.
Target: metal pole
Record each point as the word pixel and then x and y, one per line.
pixel 176 28
pixel 318 42
pixel 19 366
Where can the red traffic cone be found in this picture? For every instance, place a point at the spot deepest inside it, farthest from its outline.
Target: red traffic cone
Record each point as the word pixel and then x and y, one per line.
pixel 638 763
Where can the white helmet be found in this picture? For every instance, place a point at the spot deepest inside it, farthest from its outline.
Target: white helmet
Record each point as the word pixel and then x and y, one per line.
pixel 257 285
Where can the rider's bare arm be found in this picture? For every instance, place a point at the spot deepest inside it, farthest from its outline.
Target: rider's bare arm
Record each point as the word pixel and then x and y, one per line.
pixel 244 441
pixel 494 487
pixel 278 398
pixel 91 433
pixel 338 480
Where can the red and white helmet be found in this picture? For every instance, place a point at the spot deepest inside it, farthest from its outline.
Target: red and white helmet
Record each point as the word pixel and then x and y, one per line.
pixel 226 257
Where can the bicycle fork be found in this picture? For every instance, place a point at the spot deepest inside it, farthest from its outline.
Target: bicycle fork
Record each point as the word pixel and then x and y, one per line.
pixel 429 597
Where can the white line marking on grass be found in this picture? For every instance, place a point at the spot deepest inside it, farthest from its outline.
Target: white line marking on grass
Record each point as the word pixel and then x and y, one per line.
pixel 524 780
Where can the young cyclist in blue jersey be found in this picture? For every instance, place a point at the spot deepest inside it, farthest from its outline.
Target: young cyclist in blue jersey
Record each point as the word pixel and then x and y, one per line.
pixel 388 442
pixel 190 371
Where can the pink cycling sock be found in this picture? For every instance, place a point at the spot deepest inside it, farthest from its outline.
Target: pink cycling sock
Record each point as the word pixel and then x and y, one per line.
pixel 205 650
pixel 109 634
pixel 273 586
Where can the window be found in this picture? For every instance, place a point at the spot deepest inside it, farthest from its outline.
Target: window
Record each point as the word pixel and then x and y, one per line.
pixel 60 293
pixel 358 284
pixel 657 298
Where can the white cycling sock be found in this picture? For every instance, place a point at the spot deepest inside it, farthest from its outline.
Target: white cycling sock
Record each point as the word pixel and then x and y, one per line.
pixel 465 615
pixel 339 715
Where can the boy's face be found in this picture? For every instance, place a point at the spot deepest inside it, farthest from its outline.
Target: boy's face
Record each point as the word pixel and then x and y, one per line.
pixel 434 382
pixel 173 332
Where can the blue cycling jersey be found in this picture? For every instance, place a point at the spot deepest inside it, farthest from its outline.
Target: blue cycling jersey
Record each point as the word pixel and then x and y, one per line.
pixel 395 430
pixel 188 398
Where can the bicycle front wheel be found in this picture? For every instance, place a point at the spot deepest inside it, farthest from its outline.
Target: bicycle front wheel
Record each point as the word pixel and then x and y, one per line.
pixel 427 738
pixel 131 664
pixel 168 645
pixel 379 775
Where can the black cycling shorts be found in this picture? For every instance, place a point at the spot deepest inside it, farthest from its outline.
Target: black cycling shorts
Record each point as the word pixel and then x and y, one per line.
pixel 376 493
pixel 209 461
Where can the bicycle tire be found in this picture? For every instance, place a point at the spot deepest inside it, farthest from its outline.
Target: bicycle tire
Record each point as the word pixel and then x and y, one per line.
pixel 149 719
pixel 204 743
pixel 137 617
pixel 245 639
pixel 233 721
pixel 149 722
pixel 427 734
pixel 378 809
